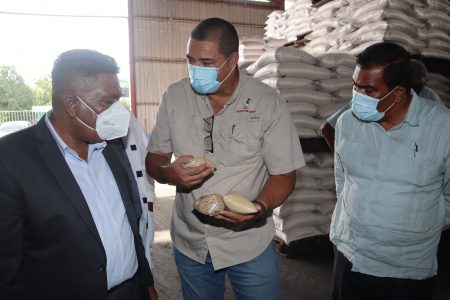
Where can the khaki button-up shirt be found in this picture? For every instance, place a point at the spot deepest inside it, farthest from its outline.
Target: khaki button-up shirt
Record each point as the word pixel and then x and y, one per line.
pixel 253 137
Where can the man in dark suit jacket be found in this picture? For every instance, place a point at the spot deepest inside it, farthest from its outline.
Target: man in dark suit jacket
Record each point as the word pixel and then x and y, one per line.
pixel 67 225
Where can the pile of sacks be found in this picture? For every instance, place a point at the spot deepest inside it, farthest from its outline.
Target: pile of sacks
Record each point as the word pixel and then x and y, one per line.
pixel 308 210
pixel 314 88
pixel 441 85
pixel 350 26
pixel 289 24
pixel 250 49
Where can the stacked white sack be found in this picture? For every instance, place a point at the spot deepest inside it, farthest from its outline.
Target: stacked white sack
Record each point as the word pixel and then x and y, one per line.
pixel 314 88
pixel 436 35
pixel 250 49
pixel 350 26
pixel 291 23
pixel 441 85
pixel 307 212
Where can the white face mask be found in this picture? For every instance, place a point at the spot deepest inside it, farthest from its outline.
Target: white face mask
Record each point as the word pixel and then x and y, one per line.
pixel 111 123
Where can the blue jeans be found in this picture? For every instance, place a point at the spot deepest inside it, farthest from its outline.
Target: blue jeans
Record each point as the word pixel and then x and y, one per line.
pixel 257 279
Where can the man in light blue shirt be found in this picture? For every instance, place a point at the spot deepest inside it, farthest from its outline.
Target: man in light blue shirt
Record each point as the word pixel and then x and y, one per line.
pixel 418 73
pixel 392 167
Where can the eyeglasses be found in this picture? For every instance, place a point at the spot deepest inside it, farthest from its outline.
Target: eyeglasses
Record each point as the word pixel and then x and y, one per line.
pixel 208 140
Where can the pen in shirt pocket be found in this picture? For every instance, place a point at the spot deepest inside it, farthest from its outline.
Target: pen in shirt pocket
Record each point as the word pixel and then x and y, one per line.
pixel 232 128
pixel 416 149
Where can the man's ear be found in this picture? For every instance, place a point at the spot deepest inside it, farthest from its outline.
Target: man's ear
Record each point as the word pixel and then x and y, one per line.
pixel 70 104
pixel 400 94
pixel 234 58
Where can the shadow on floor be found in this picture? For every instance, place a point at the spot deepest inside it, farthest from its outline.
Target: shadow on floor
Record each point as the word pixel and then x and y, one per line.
pixel 305 266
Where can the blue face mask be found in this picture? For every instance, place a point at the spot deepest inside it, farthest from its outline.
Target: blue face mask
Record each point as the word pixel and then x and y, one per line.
pixel 204 79
pixel 365 107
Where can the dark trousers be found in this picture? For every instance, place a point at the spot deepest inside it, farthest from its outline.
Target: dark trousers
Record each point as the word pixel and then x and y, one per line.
pixel 130 289
pixel 348 285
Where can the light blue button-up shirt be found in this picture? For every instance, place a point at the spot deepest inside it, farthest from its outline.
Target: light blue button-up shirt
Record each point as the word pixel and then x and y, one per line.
pixel 96 181
pixel 393 191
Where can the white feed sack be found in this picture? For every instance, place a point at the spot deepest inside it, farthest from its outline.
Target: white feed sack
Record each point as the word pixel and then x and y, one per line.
pixel 331 85
pixel 287 209
pixel 426 34
pixel 303 108
pixel 321 160
pixel 279 83
pixel 306 133
pixel 252 43
pixel 299 233
pixel 439 5
pixel 429 13
pixel 332 60
pixel 282 54
pixel 309 157
pixel 275 43
pixel 300 219
pixel 327 183
pixel 250 49
pixel 304 121
pixel 436 53
pixel 293 69
pixel 318 173
pixel 308 183
pixel 439 44
pixel 439 78
pixel 326 111
pixel 292 208
pixel 309 96
pixel 344 95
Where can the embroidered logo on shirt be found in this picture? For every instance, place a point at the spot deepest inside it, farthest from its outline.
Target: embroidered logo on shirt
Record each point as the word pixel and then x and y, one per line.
pixel 247 106
pixel 254 118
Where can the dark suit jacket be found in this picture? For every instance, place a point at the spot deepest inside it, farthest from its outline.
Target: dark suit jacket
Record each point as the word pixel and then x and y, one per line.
pixel 49 245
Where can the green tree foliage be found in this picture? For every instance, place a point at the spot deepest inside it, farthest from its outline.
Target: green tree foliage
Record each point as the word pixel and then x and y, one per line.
pixel 42 91
pixel 14 93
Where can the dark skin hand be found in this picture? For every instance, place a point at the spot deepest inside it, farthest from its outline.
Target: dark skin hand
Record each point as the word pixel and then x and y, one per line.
pixel 328 134
pixel 274 192
pixel 158 166
pixel 152 292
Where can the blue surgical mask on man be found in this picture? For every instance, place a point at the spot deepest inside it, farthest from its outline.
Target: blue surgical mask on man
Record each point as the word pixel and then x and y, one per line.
pixel 204 79
pixel 365 107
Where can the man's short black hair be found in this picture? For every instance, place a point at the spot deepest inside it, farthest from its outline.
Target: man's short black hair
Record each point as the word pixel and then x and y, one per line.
pixel 216 29
pixel 79 63
pixel 393 58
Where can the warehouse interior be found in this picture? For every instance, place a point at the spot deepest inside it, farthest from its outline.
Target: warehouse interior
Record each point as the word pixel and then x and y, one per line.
pixel 306 50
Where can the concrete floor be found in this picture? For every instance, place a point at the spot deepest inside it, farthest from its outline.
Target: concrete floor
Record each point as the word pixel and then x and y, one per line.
pixel 305 273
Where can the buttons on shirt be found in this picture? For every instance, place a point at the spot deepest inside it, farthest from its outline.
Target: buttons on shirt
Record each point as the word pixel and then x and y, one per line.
pixel 101 269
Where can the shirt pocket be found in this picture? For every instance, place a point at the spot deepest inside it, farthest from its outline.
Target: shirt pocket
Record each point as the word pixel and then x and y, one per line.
pixel 244 143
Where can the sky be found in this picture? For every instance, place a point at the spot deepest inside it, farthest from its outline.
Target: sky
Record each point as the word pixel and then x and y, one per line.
pixel 32 43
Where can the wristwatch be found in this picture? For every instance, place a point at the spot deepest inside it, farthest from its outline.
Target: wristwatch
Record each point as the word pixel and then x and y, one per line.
pixel 264 213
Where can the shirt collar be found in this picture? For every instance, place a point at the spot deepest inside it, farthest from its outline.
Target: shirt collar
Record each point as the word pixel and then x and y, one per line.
pixel 63 146
pixel 242 77
pixel 412 116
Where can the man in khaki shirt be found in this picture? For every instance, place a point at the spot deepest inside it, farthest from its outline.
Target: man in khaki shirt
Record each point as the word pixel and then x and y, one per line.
pixel 245 128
